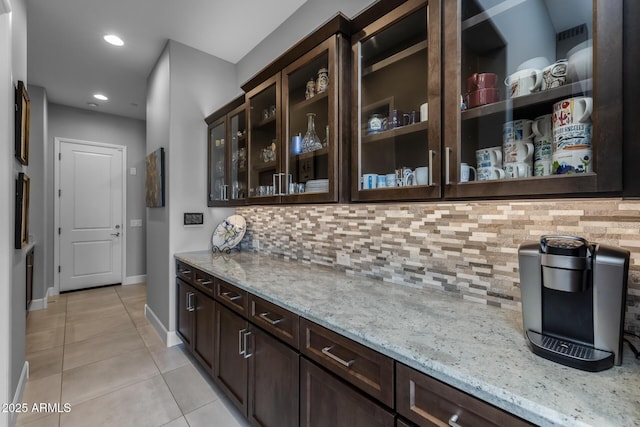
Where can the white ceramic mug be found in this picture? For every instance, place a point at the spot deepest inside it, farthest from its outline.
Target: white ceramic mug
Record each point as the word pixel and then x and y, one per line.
pixel 517 152
pixel 391 180
pixel 381 181
pixel 465 172
pixel 490 173
pixel 541 126
pixel 408 177
pixel 524 82
pixel 424 112
pixel 487 157
pixel 517 170
pixel 422 175
pixel 572 111
pixel 572 137
pixel 572 161
pixel 369 181
pixel 542 148
pixel 517 130
pixel 542 167
pixel 554 75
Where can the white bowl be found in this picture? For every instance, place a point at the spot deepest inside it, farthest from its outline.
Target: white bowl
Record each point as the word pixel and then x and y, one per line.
pixel 537 63
pixel 580 61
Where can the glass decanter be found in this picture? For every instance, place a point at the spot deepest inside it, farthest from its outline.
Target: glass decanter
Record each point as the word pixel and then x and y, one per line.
pixel 311 141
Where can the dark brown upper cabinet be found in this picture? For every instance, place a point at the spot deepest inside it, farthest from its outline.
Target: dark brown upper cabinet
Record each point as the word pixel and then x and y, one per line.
pixel 396 133
pixel 227 155
pixel 554 65
pixel 298 115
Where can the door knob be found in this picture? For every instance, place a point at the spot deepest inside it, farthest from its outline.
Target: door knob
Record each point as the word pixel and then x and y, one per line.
pixel 116 234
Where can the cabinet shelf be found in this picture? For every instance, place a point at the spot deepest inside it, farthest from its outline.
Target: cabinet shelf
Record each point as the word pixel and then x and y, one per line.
pixel 270 121
pixel 390 60
pixel 528 100
pixel 392 133
pixel 303 105
pixel 261 167
pixel 310 154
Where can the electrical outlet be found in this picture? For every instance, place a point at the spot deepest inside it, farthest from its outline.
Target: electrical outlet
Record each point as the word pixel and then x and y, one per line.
pixel 135 223
pixel 343 258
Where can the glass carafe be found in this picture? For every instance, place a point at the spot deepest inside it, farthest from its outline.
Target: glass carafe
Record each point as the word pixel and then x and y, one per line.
pixel 311 141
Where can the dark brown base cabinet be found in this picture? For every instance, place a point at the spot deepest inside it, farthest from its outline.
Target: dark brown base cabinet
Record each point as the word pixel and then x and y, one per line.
pixel 328 402
pixel 195 323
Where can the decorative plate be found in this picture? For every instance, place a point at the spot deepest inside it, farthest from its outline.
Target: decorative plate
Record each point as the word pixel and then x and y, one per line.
pixel 229 232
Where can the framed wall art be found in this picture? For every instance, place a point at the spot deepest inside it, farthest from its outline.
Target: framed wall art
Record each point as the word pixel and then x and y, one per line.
pixel 154 180
pixel 23 107
pixel 22 211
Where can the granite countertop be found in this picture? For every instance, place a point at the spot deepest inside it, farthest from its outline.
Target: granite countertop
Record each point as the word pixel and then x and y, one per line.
pixel 476 348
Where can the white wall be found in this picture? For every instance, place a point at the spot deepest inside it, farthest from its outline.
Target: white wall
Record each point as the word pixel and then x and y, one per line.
pixel 86 125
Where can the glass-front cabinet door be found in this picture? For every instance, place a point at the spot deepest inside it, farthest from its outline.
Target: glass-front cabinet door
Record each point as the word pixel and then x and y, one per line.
pixel 311 87
pixel 533 93
pixel 217 162
pixel 396 91
pixel 265 172
pixel 227 155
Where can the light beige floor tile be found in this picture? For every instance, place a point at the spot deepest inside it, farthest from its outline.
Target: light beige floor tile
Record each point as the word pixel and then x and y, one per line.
pixel 179 422
pixel 51 420
pixel 43 363
pixel 101 347
pixel 44 320
pixel 82 330
pixel 103 307
pixel 215 413
pixel 96 379
pixel 189 388
pixel 145 403
pixel 151 338
pixel 128 291
pixel 43 340
pixel 170 358
pixel 90 293
pixel 56 304
pixel 43 390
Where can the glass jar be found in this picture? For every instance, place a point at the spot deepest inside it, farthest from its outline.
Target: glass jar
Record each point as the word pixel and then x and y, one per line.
pixel 311 141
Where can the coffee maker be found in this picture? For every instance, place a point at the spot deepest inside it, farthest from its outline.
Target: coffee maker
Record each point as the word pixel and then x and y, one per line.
pixel 573 300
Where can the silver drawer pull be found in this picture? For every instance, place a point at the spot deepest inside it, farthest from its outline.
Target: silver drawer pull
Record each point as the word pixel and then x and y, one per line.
pixel 204 282
pixel 246 352
pixel 453 421
pixel 184 271
pixel 265 316
pixel 241 341
pixel 230 298
pixel 327 351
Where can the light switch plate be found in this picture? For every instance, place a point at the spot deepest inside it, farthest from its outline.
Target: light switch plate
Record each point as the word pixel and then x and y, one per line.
pixel 135 223
pixel 133 171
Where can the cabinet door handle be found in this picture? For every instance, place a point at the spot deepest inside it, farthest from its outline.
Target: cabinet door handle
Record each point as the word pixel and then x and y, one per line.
pixel 204 282
pixel 184 271
pixel 227 296
pixel 446 166
pixel 430 179
pixel 265 316
pixel 274 184
pixel 190 305
pixel 244 338
pixel 453 421
pixel 327 351
pixel 225 196
pixel 241 341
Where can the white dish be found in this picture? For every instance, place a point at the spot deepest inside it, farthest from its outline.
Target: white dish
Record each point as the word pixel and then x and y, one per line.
pixel 229 232
pixel 537 63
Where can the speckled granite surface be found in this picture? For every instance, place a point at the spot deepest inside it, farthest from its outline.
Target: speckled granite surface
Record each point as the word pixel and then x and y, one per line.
pixel 476 348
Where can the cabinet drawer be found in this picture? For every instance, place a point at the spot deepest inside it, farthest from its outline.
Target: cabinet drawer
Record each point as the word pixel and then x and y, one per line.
pixel 204 281
pixel 363 367
pixel 280 322
pixel 184 271
pixel 231 296
pixel 429 402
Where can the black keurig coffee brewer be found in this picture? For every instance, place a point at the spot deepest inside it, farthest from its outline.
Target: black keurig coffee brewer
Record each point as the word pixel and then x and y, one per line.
pixel 573 300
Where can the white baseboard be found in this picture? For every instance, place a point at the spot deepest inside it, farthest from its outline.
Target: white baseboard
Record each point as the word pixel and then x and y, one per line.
pixel 41 303
pixel 133 280
pixel 17 398
pixel 169 337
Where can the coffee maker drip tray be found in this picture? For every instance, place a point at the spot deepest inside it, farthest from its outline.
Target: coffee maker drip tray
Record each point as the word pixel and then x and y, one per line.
pixel 569 353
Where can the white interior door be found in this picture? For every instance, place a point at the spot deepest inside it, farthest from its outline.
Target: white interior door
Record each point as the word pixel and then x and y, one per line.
pixel 90 215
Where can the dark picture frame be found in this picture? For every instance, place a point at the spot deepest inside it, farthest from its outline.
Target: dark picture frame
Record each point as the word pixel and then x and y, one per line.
pixel 23 191
pixel 193 218
pixel 23 113
pixel 154 179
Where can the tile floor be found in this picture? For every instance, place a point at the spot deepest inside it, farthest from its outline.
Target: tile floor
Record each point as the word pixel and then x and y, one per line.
pixel 96 351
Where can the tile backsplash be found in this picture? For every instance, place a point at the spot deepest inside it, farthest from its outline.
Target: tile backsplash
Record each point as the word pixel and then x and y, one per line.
pixel 466 248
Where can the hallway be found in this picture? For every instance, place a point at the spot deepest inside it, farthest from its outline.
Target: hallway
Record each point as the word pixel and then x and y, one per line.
pixel 95 351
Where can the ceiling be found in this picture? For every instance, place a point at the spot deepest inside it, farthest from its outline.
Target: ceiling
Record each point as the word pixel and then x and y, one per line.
pixel 69 58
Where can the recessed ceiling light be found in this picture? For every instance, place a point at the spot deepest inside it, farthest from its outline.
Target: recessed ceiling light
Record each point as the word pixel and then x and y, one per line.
pixel 92 104
pixel 113 39
pixel 100 96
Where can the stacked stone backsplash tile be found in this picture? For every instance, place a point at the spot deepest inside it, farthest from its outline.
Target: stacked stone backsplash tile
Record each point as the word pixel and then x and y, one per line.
pixel 466 248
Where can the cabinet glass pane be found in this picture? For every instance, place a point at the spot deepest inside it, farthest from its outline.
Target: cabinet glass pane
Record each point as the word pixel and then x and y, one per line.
pixel 393 97
pixel 263 161
pixel 217 162
pixel 526 72
pixel 308 122
pixel 238 157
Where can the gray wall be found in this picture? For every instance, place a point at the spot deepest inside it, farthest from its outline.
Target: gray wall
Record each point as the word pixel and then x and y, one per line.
pixel 74 123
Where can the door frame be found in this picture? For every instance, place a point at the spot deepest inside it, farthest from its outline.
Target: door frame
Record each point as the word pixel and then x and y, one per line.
pixel 56 209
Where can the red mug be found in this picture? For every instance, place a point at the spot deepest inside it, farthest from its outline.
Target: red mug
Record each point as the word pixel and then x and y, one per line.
pixel 482 81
